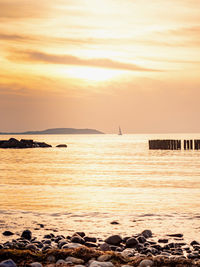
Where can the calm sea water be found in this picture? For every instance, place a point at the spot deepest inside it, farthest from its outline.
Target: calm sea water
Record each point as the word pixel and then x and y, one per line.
pixel 98 179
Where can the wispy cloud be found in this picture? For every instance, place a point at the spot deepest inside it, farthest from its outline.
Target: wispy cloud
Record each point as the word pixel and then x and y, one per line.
pixel 20 9
pixel 14 37
pixel 40 57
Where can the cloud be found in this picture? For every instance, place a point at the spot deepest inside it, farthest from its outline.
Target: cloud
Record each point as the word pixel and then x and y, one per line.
pixel 40 57
pixel 11 9
pixel 14 37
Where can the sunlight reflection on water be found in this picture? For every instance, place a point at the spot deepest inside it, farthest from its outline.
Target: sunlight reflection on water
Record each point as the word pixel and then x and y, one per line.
pixel 100 173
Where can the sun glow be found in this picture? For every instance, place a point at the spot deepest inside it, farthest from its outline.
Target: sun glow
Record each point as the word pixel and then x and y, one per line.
pixel 92 74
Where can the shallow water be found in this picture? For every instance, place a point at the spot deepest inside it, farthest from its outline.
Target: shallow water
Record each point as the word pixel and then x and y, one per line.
pixel 98 179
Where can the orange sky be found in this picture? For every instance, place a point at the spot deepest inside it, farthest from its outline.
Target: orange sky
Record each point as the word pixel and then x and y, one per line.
pixel 100 64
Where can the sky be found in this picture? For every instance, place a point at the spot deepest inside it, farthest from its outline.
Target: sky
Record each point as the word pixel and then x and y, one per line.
pixel 100 64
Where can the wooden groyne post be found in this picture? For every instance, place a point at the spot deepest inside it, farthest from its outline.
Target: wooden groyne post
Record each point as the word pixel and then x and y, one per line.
pixel 170 144
pixel 166 144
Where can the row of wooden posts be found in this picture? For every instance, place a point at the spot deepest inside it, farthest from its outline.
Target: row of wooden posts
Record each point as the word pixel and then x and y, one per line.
pixel 168 144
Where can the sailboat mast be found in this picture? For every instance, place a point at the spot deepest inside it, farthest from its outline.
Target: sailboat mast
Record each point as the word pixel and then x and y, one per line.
pixel 120 131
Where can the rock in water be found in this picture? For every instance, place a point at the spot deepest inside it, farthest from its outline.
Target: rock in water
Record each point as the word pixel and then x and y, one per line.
pixel 7 233
pixel 62 145
pixel 27 234
pixel 23 143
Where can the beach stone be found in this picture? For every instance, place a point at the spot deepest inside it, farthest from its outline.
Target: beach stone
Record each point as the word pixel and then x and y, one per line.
pixel 77 239
pixel 194 243
pixel 38 244
pixel 128 252
pixel 82 234
pixel 36 264
pixel 46 248
pixel 192 256
pixel 141 239
pixel 147 233
pixel 48 242
pixel 114 222
pixel 146 263
pixel 101 264
pixel 114 240
pixel 27 234
pixel 73 245
pixel 8 263
pixel 31 247
pixel 90 239
pixel 62 242
pixel 163 240
pixel 131 242
pixel 175 235
pixel 60 262
pixel 51 259
pixel 91 245
pixel 105 247
pixel 106 257
pixel 8 233
pixel 74 260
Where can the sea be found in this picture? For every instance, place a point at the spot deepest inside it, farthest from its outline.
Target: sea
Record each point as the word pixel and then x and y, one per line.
pixel 101 185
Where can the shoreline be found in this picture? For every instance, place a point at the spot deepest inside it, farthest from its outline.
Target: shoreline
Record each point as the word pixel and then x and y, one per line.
pixel 115 250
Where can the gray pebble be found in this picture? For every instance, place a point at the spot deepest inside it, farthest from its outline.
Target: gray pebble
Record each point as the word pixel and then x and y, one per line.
pixel 101 264
pixel 146 263
pixel 74 260
pixel 104 257
pixel 36 264
pixel 8 263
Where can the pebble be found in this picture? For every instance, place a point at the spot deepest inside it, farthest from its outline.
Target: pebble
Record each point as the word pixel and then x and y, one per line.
pixel 36 264
pixel 175 235
pixel 147 233
pixel 131 242
pixel 74 260
pixel 8 263
pixel 114 240
pixel 101 264
pixel 90 239
pixel 106 257
pixel 105 247
pixel 114 222
pixel 146 263
pixel 8 233
pixel 77 239
pixel 27 234
pixel 73 245
pixel 163 240
pixel 59 262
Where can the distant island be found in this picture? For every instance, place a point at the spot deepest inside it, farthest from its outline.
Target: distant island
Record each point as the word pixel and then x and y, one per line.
pixel 56 131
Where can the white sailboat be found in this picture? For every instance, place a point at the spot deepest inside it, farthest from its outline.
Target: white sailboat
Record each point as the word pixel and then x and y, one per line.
pixel 120 131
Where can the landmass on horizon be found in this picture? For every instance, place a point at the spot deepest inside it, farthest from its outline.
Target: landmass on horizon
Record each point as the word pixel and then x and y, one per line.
pixel 56 131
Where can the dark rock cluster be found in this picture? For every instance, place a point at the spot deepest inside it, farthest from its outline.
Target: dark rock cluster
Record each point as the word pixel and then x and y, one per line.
pixel 23 143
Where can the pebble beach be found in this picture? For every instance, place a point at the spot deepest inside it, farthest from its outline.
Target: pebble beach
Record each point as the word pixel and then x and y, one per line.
pixel 80 250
